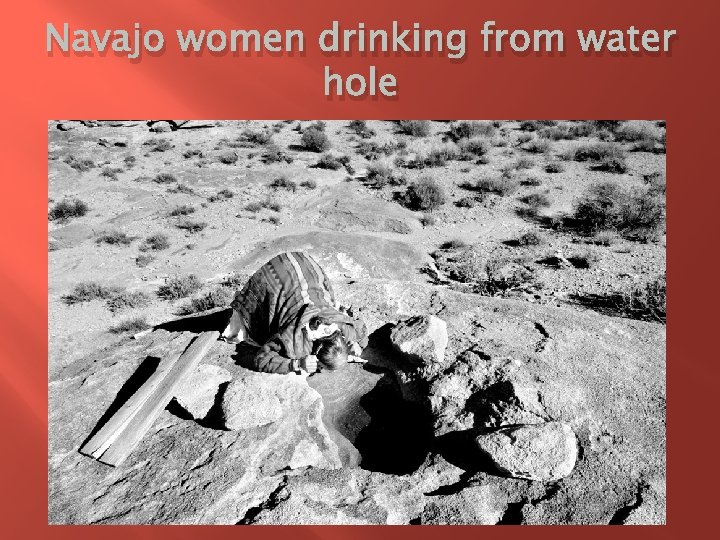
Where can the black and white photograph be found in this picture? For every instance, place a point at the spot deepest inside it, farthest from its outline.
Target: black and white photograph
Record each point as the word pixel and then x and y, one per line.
pixel 356 322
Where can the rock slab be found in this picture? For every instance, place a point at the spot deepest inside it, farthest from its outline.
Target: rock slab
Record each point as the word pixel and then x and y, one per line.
pixel 253 401
pixel 421 339
pixel 544 452
pixel 196 394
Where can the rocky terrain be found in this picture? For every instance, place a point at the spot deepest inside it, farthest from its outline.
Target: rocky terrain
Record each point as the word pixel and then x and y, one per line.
pixel 508 381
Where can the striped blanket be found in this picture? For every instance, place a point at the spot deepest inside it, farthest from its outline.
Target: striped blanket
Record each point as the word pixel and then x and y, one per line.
pixel 277 303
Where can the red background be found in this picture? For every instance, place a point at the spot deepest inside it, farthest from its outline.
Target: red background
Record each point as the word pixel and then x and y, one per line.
pixel 681 87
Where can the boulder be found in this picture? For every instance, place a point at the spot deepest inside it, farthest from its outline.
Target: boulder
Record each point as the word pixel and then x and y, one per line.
pixel 421 339
pixel 544 452
pixel 253 401
pixel 196 394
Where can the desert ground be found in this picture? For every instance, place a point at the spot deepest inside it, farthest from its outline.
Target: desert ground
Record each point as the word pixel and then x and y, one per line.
pixel 540 244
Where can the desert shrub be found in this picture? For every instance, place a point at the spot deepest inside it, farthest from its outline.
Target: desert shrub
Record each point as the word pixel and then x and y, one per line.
pixel 555 133
pixel 257 137
pixel 270 204
pixel 155 242
pixel 315 140
pixel 158 144
pixel 554 167
pixel 218 297
pixel 165 178
pixel 309 184
pixel 634 133
pixel 538 146
pixel 114 238
pixel 523 138
pixel 88 291
pixel 612 165
pixel 490 277
pixel 630 212
pixel 435 157
pixel 474 147
pixel 80 165
pixel 67 209
pixel 534 125
pixel 655 182
pixel 328 161
pixel 195 152
pixel 523 163
pixel 126 300
pixel 181 188
pixel 536 200
pixel 222 195
pixel 583 259
pixel 467 129
pixel 425 194
pixel 426 220
pixel 360 127
pixel 179 287
pixel 253 207
pixel 275 220
pixel 416 128
pixel 372 150
pixel 190 225
pixel 581 129
pixel 380 174
pixel 273 154
pixel 595 152
pixel 228 157
pixel 466 202
pixel 143 260
pixel 283 182
pixel 182 210
pixel 529 181
pixel 454 244
pixel 497 185
pixel 605 238
pixel 646 301
pixel 130 326
pixel 111 172
pixel 610 125
pixel 530 238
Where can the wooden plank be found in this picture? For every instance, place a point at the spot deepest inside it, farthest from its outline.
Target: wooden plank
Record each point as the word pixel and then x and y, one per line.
pixel 134 430
pixel 111 429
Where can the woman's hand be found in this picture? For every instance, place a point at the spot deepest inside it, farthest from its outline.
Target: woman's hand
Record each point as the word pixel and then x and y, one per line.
pixel 309 363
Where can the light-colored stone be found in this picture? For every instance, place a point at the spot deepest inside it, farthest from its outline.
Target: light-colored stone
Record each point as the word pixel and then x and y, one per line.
pixel 421 339
pixel 196 393
pixel 543 452
pixel 253 401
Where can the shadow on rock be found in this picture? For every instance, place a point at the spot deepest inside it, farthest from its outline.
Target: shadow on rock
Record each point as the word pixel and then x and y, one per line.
pixel 204 322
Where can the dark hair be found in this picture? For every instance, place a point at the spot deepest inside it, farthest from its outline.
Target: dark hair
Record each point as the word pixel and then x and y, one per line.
pixel 315 322
pixel 331 351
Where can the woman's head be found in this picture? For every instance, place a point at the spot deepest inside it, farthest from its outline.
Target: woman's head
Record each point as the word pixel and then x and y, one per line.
pixel 331 351
pixel 320 328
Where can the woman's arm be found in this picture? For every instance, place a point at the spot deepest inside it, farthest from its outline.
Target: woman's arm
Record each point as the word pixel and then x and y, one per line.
pixel 270 358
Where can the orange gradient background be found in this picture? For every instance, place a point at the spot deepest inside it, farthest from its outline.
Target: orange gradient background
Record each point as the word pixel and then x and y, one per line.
pixel 681 88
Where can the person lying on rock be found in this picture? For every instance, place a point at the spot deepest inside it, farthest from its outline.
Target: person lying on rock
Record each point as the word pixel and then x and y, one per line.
pixel 288 307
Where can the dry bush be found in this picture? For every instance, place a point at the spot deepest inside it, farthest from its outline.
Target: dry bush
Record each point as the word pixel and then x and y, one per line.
pixel 426 220
pixel 179 287
pixel 536 200
pixel 195 152
pixel 466 202
pixel 309 184
pixel 130 326
pixel 191 226
pixel 228 157
pixel 155 242
pixel 373 150
pixel 80 165
pixel 158 144
pixel 143 260
pixel 523 138
pixel 115 238
pixel 538 146
pixel 425 194
pixel 595 152
pixel 273 154
pixel 182 188
pixel 328 161
pixel 556 133
pixel 416 128
pixel 111 172
pixel 535 125
pixel 218 297
pixel 467 129
pixel 165 178
pixel 605 238
pixel 497 185
pixel 67 209
pixel 88 291
pixel 475 146
pixel 530 238
pixel 315 140
pixel 554 167
pixel 222 195
pixel 437 156
pixel 360 127
pixel 283 182
pixel 253 207
pixel 257 137
pixel 489 276
pixel 632 212
pixel 182 210
pixel 127 300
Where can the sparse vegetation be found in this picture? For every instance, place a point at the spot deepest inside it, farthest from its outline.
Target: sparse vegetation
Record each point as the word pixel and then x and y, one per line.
pixel 130 326
pixel 228 157
pixel 218 297
pixel 115 238
pixel 126 300
pixel 222 195
pixel 253 207
pixel 530 238
pixel 309 184
pixel 497 185
pixel 328 161
pixel 191 226
pixel 257 137
pixel 283 182
pixel 315 140
pixel 273 154
pixel 538 146
pixel 158 145
pixel 155 242
pixel 469 129
pixel 536 200
pixel 179 287
pixel 372 150
pixel 88 291
pixel 554 167
pixel 632 212
pixel 360 127
pixel 165 178
pixel 143 260
pixel 182 210
pixel 67 209
pixel 182 188
pixel 111 172
pixel 425 194
pixel 415 128
pixel 426 220
pixel 80 165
